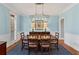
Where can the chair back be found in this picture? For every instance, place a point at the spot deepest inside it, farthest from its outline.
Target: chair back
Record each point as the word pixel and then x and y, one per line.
pixel 32 38
pixel 22 35
pixel 45 39
pixel 57 35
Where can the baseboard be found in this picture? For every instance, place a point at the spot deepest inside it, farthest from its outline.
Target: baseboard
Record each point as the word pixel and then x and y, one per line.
pixel 12 46
pixel 70 49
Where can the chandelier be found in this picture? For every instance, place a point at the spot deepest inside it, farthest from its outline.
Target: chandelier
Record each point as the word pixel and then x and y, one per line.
pixel 39 20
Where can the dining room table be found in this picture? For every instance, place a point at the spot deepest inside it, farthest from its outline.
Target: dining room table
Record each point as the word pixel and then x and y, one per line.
pixel 38 40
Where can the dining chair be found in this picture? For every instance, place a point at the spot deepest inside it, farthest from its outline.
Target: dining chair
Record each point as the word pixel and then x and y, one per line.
pixel 32 43
pixel 45 43
pixel 24 41
pixel 57 35
pixel 54 40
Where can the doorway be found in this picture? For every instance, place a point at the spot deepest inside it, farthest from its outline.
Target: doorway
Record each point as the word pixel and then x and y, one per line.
pixel 12 27
pixel 62 28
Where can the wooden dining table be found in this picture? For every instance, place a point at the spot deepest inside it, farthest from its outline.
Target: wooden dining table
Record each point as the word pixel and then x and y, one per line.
pixel 38 40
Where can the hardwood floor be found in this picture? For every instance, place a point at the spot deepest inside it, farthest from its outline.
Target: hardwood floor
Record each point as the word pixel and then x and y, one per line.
pixel 61 42
pixel 12 46
pixel 70 49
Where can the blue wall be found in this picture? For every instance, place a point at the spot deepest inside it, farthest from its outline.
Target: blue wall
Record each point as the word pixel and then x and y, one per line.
pixel 71 28
pixel 4 20
pixel 71 20
pixel 18 23
pixel 53 23
pixel 25 23
pixel 5 33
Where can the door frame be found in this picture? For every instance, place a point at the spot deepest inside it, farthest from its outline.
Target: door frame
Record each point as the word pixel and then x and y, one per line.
pixel 61 18
pixel 12 13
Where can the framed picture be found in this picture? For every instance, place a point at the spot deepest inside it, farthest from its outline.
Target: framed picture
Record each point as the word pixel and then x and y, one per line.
pixel 39 24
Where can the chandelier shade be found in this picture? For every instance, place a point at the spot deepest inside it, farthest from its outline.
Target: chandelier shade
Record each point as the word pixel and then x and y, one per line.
pixel 39 20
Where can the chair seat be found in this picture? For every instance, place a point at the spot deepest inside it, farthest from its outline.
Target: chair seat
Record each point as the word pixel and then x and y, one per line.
pixel 25 41
pixel 45 45
pixel 32 45
pixel 53 41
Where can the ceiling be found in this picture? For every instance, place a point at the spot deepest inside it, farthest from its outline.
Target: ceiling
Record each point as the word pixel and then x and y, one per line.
pixel 29 8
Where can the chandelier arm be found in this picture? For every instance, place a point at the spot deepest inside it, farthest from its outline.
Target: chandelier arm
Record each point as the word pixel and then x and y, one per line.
pixel 35 9
pixel 42 9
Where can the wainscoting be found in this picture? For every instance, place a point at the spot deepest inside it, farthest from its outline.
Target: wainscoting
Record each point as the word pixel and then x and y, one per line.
pixel 69 48
pixel 13 46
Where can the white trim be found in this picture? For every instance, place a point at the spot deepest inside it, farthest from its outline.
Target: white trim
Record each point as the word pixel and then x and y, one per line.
pixel 11 9
pixel 17 35
pixel 63 17
pixel 66 9
pixel 19 12
pixel 15 28
pixel 11 42
pixel 60 27
pixel 10 20
pixel 7 38
pixel 72 40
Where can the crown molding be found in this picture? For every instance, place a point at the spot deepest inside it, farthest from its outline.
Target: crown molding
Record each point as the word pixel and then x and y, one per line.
pixel 12 10
pixel 66 9
pixel 9 8
pixel 20 13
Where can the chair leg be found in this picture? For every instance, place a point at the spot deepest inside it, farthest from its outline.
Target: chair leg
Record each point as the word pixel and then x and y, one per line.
pixel 28 51
pixel 49 51
pixel 57 47
pixel 41 50
pixel 36 50
pixel 22 47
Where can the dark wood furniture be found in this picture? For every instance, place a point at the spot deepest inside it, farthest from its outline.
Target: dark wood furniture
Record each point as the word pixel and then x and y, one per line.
pixel 54 40
pixel 38 37
pixel 42 41
pixel 45 43
pixel 2 48
pixel 32 43
pixel 39 33
pixel 24 41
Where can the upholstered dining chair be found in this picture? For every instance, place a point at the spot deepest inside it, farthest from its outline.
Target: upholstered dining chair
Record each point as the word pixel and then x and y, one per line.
pixel 45 43
pixel 24 41
pixel 32 43
pixel 54 40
